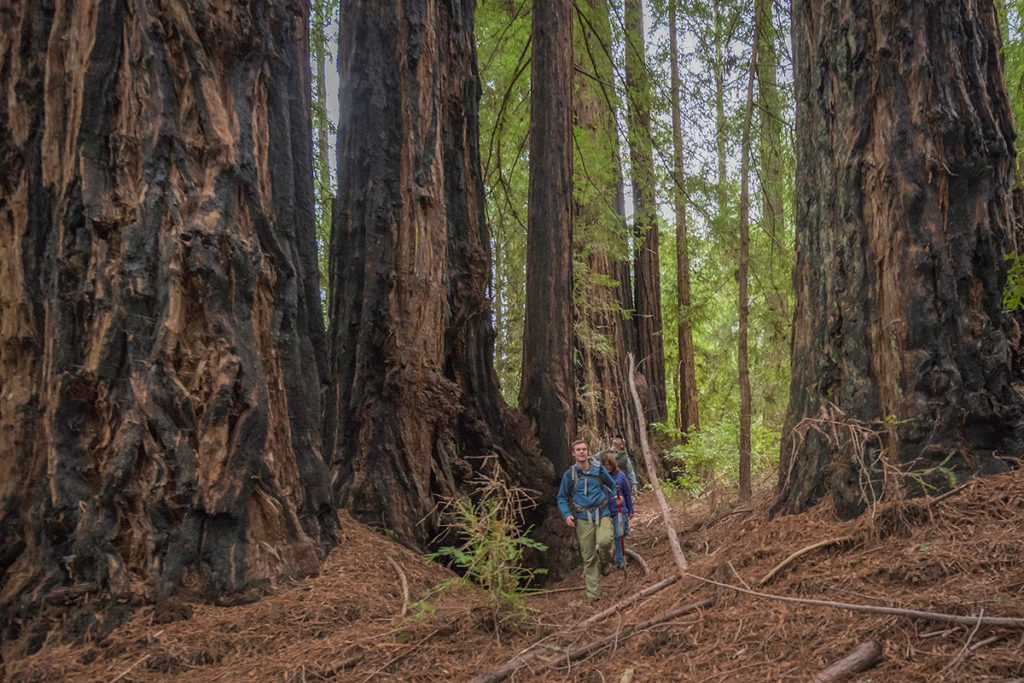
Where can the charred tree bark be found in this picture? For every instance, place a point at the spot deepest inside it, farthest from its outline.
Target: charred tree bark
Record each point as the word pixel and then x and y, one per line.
pixel 599 233
pixel 160 331
pixel 904 212
pixel 414 407
pixel 647 269
pixel 547 393
pixel 689 415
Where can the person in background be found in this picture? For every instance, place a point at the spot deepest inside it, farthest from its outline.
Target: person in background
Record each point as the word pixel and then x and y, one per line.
pixel 622 459
pixel 620 507
pixel 583 503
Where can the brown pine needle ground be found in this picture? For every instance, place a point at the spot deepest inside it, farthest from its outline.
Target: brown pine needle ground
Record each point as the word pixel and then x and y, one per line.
pixel 962 555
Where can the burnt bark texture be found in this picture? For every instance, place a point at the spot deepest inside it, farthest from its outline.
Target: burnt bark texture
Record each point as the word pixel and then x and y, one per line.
pixel 161 346
pixel 646 269
pixel 901 348
pixel 547 393
pixel 414 409
pixel 599 233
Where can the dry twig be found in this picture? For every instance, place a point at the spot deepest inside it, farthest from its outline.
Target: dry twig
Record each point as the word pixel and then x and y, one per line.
pixel 803 551
pixel 405 585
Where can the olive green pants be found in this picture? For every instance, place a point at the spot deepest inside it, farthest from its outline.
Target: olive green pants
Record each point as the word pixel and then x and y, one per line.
pixel 596 548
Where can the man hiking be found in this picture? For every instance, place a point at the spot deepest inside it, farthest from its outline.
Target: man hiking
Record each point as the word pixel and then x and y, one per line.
pixel 584 505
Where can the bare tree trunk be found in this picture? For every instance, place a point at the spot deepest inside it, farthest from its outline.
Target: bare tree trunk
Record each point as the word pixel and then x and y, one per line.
pixel 744 304
pixel 161 343
pixel 904 179
pixel 689 417
pixel 647 269
pixel 547 393
pixel 414 407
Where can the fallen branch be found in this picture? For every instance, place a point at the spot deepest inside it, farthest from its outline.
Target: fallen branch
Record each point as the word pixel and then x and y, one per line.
pixel 875 609
pixel 636 556
pixel 405 585
pixel 863 657
pixel 529 654
pixel 803 551
pixel 625 632
pixel 626 602
pixel 673 537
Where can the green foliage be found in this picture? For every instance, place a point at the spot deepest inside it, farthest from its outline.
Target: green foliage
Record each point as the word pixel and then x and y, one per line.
pixel 1013 292
pixel 1011 22
pixel 711 454
pixel 494 544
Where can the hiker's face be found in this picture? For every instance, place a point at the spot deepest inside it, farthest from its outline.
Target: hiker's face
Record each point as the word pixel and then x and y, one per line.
pixel 617 445
pixel 579 451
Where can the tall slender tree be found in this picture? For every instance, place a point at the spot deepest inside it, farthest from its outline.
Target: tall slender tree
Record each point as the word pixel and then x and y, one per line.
pixel 647 268
pixel 160 314
pixel 686 391
pixel 547 393
pixel 414 407
pixel 742 360
pixel 905 169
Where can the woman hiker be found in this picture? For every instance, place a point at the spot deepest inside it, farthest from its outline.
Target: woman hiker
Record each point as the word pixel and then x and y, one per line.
pixel 620 507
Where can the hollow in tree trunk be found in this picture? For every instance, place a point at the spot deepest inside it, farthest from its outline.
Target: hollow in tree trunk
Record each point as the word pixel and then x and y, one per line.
pixel 901 348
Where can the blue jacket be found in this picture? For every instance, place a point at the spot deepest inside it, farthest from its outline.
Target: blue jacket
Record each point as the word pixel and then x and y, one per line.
pixel 588 493
pixel 627 498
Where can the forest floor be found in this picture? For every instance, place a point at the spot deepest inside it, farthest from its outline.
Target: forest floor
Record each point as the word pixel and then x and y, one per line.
pixel 961 554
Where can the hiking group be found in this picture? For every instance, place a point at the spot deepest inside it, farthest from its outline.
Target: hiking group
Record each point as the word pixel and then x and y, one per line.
pixel 596 498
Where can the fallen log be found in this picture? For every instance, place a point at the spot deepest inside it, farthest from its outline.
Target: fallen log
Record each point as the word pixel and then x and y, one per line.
pixel 863 657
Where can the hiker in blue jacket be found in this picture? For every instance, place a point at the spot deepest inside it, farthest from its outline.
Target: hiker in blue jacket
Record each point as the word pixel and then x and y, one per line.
pixel 584 506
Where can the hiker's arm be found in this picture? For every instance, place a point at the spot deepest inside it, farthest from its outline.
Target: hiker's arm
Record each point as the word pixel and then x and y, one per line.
pixel 630 474
pixel 627 499
pixel 563 500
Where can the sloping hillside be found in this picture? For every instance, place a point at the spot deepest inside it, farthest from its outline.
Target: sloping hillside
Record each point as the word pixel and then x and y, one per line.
pixel 960 555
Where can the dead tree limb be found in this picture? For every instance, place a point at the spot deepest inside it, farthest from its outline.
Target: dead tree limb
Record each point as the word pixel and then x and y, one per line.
pixel 405 585
pixel 625 632
pixel 670 529
pixel 803 551
pixel 530 653
pixel 875 609
pixel 639 560
pixel 863 657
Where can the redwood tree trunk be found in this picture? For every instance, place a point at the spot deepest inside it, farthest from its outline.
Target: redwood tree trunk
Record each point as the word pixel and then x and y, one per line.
pixel 689 415
pixel 647 269
pixel 414 407
pixel 904 176
pixel 547 393
pixel 599 233
pixel 160 331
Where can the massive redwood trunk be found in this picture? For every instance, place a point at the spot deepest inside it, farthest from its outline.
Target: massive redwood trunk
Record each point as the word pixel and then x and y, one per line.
pixel 599 233
pixel 547 393
pixel 904 179
pixel 160 331
pixel 414 407
pixel 647 269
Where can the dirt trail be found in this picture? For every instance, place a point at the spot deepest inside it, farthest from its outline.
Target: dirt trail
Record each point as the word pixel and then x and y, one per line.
pixel 961 555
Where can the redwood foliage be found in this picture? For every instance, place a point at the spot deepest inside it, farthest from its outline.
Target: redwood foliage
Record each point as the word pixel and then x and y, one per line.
pixel 905 165
pixel 160 343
